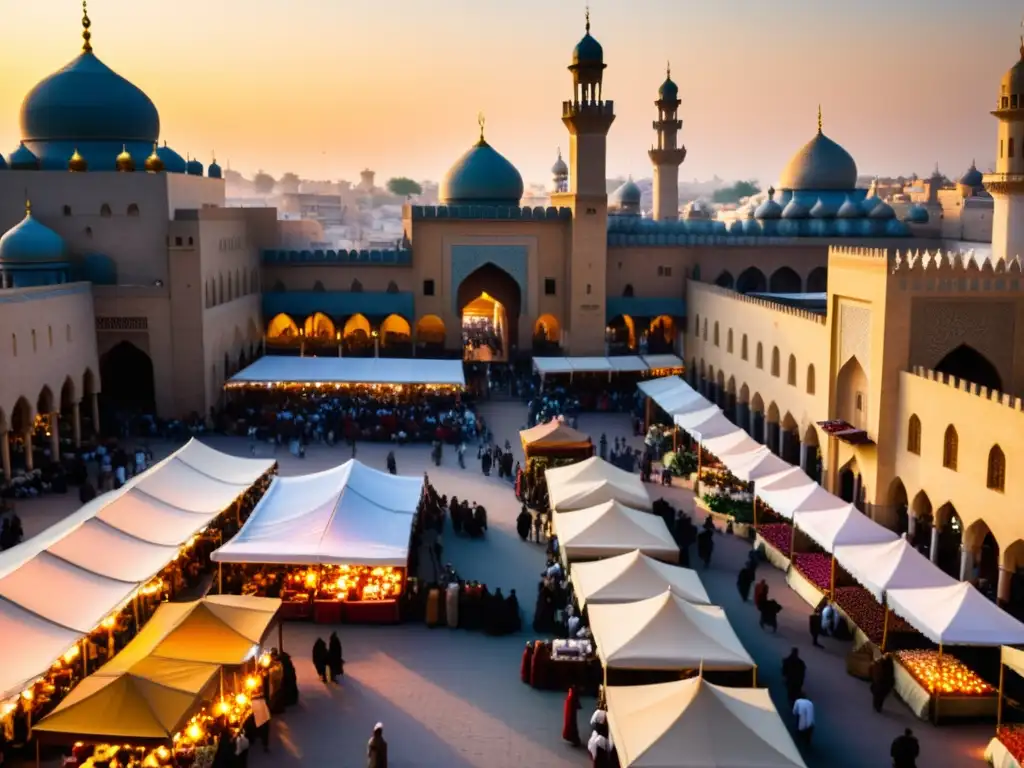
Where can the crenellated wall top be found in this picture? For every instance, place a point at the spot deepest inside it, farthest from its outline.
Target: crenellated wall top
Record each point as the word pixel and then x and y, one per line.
pixel 768 304
pixel 944 271
pixel 970 388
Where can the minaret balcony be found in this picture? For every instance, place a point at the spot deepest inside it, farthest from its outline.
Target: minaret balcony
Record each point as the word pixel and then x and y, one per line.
pixel 1004 183
pixel 667 125
pixel 574 108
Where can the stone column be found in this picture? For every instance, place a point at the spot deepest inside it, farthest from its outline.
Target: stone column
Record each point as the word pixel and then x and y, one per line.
pixel 96 414
pixel 55 436
pixel 76 424
pixel 803 458
pixel 29 463
pixel 5 454
pixel 782 442
pixel 911 525
pixel 933 552
pixel 965 563
pixel 1003 587
pixel 753 423
pixel 857 484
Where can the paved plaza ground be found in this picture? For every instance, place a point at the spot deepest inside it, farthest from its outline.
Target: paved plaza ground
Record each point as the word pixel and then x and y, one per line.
pixel 453 698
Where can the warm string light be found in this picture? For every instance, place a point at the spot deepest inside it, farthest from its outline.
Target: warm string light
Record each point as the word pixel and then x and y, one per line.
pixel 950 677
pixel 349 582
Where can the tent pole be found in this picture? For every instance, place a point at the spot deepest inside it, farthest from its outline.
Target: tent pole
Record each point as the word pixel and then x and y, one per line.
pixel 999 706
pixel 85 657
pixel 755 511
pixel 135 611
pixel 222 682
pixel 220 578
pixel 280 635
pixel 754 672
pixel 832 579
pixel 37 753
pixel 938 690
pixel 696 481
pixel 885 624
pixel 792 539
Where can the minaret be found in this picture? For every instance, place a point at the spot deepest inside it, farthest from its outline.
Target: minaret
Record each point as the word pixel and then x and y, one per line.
pixel 588 118
pixel 1006 185
pixel 559 175
pixel 669 154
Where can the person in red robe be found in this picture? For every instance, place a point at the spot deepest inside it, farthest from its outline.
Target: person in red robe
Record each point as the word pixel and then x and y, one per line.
pixel 540 665
pixel 570 727
pixel 526 667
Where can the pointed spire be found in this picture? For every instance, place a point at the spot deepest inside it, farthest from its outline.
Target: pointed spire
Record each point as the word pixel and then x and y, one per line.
pixel 819 119
pixel 481 121
pixel 668 70
pixel 587 16
pixel 28 204
pixel 86 23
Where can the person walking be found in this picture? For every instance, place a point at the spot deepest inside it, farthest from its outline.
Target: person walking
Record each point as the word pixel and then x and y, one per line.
pixel 335 661
pixel 803 711
pixel 377 749
pixel 760 594
pixel 814 623
pixel 770 610
pixel 320 658
pixel 794 670
pixel 744 581
pixel 570 724
pixel 705 546
pixel 883 680
pixel 392 464
pixel 904 750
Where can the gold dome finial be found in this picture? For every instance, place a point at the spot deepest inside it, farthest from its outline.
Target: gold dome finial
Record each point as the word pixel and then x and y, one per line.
pixel 819 119
pixel 587 16
pixel 77 163
pixel 86 23
pixel 28 206
pixel 125 162
pixel 153 163
pixel 481 121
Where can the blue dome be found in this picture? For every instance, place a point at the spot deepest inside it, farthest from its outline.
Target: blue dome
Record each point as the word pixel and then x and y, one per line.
pixel 626 195
pixel 23 159
pixel 30 243
pixel 98 269
pixel 194 168
pixel 849 210
pixel 736 227
pixel 669 91
pixel 821 210
pixel 588 50
pixel 868 204
pixel 482 176
pixel 560 168
pixel 882 211
pixel 896 228
pixel 794 210
pixel 918 214
pixel 213 170
pixel 820 164
pixel 173 162
pixel 751 227
pixel 972 178
pixel 88 101
pixel 769 209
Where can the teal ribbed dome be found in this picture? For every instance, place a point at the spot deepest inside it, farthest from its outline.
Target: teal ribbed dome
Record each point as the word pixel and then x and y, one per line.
pixel 23 159
pixel 173 162
pixel 482 176
pixel 588 50
pixel 29 242
pixel 669 91
pixel 213 170
pixel 627 195
pixel 972 178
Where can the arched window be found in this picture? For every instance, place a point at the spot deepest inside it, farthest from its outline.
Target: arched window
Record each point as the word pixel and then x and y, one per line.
pixel 318 287
pixel 759 361
pixel 728 342
pixel 49 335
pixel 996 469
pixel 704 330
pixel 775 361
pixel 67 210
pixel 105 211
pixel 14 344
pixel 357 287
pixel 34 347
pixel 914 435
pixel 791 373
pixel 744 355
pixel 392 287
pixel 628 291
pixel 67 332
pixel 950 443
pixel 716 333
pixel 133 210
pixel 810 379
pixel 696 326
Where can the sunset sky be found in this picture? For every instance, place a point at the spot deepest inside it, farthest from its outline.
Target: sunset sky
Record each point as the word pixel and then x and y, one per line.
pixel 326 87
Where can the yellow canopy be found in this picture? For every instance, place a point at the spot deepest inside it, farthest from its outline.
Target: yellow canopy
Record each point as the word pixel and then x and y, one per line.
pixel 221 629
pixel 150 701
pixel 556 434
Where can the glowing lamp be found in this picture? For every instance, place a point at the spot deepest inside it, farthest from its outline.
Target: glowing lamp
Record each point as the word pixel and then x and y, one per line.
pixel 241 699
pixel 163 753
pixel 252 683
pixel 71 654
pixel 194 732
pixel 310 579
pixel 265 660
pixel 7 708
pixel 109 623
pixel 27 694
pixel 223 707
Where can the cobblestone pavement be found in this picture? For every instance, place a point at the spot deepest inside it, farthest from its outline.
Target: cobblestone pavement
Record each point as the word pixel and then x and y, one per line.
pixel 453 698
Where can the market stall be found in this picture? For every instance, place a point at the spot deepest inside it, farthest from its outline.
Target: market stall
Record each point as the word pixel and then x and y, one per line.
pixel 591 482
pixel 932 682
pixel 631 577
pixel 667 633
pixel 333 545
pixel 694 724
pixel 1006 750
pixel 340 372
pixel 556 440
pixel 611 529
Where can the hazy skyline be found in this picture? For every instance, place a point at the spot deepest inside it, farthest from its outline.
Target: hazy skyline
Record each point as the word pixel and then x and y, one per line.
pixel 325 88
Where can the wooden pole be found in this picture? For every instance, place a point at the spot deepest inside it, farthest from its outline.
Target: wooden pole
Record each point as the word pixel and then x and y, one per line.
pixel 832 579
pixel 37 753
pixel 792 538
pixel 999 706
pixel 280 635
pixel 938 689
pixel 85 657
pixel 220 578
pixel 696 482
pixel 754 672
pixel 755 511
pixel 135 612
pixel 885 625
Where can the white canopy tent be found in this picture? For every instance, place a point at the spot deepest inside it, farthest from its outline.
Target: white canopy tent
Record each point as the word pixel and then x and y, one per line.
pixel 663 362
pixel 613 529
pixel 892 565
pixel 662 386
pixel 634 576
pixel 609 365
pixel 666 632
pixel 956 614
pixel 751 467
pixel 349 515
pixel 706 424
pixel 271 370
pixel 592 482
pixel 792 491
pixel 847 525
pixel 694 724
pixel 59 585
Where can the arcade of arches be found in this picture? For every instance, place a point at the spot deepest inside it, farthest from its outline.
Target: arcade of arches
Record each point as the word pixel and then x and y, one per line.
pixel 36 428
pixel 625 334
pixel 319 334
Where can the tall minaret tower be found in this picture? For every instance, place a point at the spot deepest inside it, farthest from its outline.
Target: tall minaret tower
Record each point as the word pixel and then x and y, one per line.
pixel 1006 185
pixel 669 154
pixel 588 118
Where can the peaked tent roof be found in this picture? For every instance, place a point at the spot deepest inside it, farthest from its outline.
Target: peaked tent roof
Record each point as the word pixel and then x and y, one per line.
pixel 694 724
pixel 847 525
pixel 666 632
pixel 893 565
pixel 349 515
pixel 634 576
pixel 554 434
pixel 956 614
pixel 592 482
pixel 792 491
pixel 613 529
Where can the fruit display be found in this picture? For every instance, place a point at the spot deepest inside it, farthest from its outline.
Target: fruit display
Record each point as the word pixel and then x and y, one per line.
pixel 816 567
pixel 868 614
pixel 949 678
pixel 1012 737
pixel 778 535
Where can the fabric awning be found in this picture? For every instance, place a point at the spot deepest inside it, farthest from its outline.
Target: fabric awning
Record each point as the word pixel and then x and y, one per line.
pixel 792 491
pixel 668 633
pixel 892 565
pixel 634 576
pixel 555 434
pixel 751 467
pixel 613 529
pixel 1014 659
pixel 663 362
pixel 592 482
pixel 957 614
pixel 847 525
pixel 349 370
pixel 694 724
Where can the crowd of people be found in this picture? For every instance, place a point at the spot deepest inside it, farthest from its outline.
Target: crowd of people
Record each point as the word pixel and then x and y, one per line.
pixel 470 605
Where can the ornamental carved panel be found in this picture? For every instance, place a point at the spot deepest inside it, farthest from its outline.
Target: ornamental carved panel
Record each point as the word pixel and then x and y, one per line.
pixel 855 335
pixel 939 327
pixel 122 323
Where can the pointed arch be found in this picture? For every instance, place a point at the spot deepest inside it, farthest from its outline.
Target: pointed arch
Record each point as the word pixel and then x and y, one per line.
pixel 810 379
pixel 318 287
pixel 785 280
pixel 395 329
pixel 817 280
pixel 950 448
pixel 627 291
pixel 357 326
pixel 851 393
pixel 730 386
pixel 728 341
pixel 757 403
pixel 776 365
pixel 725 279
pixel 357 287
pixel 622 330
pixel 392 287
pixel 744 395
pixel 791 371
pixel 282 327
pixel 773 413
pixel 715 341
pixel 547 329
pixel 45 403
pixel 430 329
pixel 968 364
pixel 68 393
pixel 914 435
pixel 319 327
pixel 759 361
pixel 922 507
pixel 22 417
pixel 662 331
pixel 751 280
pixel 89 383
pixel 996 474
pixel 744 355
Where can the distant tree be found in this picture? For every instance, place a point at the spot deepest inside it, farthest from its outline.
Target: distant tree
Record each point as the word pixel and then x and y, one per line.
pixel 289 182
pixel 232 177
pixel 403 187
pixel 264 183
pixel 736 192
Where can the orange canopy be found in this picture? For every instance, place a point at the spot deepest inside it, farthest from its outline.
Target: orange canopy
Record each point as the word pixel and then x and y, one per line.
pixel 553 437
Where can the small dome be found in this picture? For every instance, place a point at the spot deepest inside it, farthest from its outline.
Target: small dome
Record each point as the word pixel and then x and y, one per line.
pixel 868 204
pixel 896 228
pixel 769 209
pixel 482 176
pixel 918 214
pixel 22 159
pixel 849 210
pixel 125 163
pixel 820 210
pixel 29 242
pixel 820 164
pixel 560 168
pixel 153 163
pixel 588 51
pixel 794 210
pixel 173 162
pixel 213 170
pixel 751 227
pixel 194 168
pixel 1013 80
pixel 77 163
pixel 736 227
pixel 882 211
pixel 972 177
pixel 627 194
pixel 668 91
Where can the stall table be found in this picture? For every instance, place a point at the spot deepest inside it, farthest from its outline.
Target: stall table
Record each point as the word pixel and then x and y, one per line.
pixel 327 611
pixel 951 706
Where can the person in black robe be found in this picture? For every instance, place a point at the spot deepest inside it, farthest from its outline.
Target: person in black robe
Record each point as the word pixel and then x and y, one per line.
pixel 485 464
pixel 770 614
pixel 705 546
pixel 515 620
pixel 334 659
pixel 480 518
pixel 814 624
pixel 289 682
pixel 523 523
pixel 392 464
pixel 320 658
pixel 794 670
pixel 883 680
pixel 744 581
